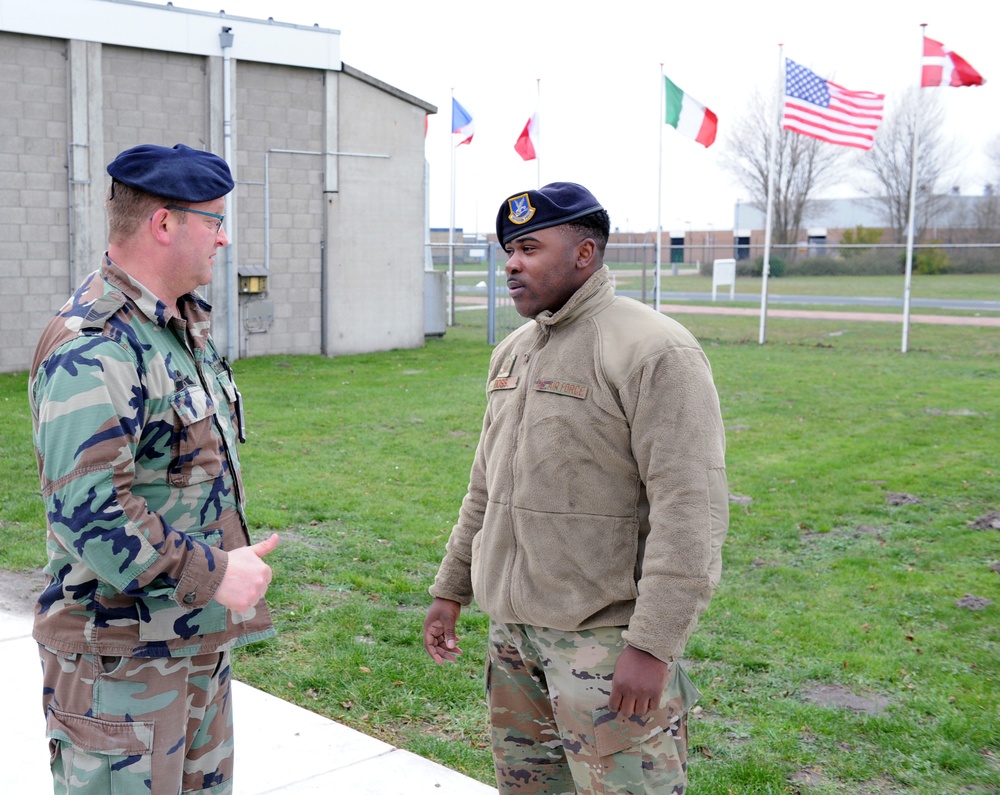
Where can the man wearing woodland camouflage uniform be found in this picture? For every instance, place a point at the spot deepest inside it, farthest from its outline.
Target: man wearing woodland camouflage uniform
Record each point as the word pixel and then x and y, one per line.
pixel 592 529
pixel 151 575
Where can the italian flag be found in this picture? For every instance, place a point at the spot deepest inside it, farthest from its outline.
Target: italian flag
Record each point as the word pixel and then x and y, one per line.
pixel 688 116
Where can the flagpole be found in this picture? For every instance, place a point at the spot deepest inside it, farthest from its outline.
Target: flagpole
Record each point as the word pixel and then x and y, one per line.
pixel 538 129
pixel 911 221
pixel 659 202
pixel 451 228
pixel 768 215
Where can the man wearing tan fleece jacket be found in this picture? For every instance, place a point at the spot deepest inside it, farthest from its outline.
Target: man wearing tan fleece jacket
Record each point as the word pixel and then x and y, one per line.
pixel 592 529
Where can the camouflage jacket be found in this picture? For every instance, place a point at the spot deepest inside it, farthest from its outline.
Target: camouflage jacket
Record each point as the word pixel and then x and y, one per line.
pixel 136 418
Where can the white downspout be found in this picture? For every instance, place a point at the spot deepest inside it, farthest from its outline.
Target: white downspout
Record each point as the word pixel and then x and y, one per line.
pixel 232 341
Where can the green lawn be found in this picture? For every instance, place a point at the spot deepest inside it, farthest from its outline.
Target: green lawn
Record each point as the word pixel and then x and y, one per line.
pixel 856 472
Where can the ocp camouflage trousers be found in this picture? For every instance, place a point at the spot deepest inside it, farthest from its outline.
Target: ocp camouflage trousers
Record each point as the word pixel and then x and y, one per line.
pixel 138 726
pixel 553 733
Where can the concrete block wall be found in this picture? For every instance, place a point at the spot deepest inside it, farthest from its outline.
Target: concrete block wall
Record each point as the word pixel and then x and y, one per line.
pixel 369 283
pixel 282 108
pixel 152 97
pixel 34 232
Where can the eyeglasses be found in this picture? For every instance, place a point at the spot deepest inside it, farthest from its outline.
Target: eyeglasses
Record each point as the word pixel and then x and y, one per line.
pixel 220 218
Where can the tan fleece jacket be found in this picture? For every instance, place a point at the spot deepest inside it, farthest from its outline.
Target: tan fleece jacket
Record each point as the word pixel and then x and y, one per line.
pixel 598 493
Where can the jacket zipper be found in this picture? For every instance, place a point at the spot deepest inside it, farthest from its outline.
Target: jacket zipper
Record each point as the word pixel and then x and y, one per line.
pixel 529 360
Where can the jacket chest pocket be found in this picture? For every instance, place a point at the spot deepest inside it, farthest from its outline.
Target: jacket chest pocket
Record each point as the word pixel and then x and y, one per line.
pixel 194 450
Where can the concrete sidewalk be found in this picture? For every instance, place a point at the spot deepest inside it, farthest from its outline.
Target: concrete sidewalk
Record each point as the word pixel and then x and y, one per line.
pixel 280 748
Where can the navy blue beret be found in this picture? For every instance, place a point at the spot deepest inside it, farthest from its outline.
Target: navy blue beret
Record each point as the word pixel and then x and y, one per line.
pixel 182 173
pixel 554 204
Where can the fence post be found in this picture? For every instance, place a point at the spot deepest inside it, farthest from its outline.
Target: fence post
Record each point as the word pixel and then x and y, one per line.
pixel 491 295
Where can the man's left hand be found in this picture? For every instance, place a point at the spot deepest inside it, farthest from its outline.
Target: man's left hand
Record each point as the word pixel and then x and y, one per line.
pixel 638 682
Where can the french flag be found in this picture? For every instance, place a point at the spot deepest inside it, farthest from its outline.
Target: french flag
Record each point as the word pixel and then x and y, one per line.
pixel 461 122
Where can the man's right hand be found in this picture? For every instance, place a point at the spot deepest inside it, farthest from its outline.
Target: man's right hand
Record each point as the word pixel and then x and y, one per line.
pixel 439 631
pixel 247 576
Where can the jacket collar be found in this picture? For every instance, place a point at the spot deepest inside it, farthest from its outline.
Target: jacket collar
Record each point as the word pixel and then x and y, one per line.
pixel 194 309
pixel 594 295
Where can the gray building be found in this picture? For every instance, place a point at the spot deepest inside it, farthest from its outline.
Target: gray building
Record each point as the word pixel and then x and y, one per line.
pixel 327 220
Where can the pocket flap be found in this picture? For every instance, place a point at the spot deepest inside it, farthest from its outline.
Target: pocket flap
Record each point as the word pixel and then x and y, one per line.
pixel 192 404
pixel 115 738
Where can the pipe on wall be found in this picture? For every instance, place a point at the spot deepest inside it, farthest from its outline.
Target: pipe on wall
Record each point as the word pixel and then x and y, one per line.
pixel 232 277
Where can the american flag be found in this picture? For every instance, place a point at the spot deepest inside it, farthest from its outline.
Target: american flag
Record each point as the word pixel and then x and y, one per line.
pixel 824 110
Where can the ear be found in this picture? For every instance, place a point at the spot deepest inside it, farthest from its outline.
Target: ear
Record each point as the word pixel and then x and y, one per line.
pixel 159 226
pixel 586 251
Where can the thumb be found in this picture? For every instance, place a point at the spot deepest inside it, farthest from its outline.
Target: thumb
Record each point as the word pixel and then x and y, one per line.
pixel 267 546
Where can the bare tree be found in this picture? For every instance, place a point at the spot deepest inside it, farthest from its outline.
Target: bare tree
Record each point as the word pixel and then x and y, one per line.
pixel 803 167
pixel 888 164
pixel 986 213
pixel 993 153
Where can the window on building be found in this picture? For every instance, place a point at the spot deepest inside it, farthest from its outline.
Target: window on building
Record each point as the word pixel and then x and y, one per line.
pixel 676 249
pixel 816 242
pixel 741 247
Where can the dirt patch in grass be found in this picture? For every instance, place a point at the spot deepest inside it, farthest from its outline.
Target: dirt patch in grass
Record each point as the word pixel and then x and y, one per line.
pixel 989 521
pixel 897 498
pixel 973 602
pixel 842 698
pixel 19 590
pixel 810 776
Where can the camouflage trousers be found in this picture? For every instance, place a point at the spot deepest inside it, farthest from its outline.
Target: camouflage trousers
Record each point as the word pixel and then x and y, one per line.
pixel 138 726
pixel 553 733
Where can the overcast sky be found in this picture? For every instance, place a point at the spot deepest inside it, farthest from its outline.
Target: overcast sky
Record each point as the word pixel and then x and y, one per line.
pixel 598 64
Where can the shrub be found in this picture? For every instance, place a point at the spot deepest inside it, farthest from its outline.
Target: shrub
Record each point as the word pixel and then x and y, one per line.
pixel 777 267
pixel 853 239
pixel 927 261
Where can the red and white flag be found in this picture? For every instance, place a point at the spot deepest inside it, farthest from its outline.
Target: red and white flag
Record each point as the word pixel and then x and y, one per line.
pixel 942 67
pixel 527 141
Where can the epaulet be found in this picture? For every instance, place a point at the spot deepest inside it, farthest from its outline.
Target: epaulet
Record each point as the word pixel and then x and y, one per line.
pixel 102 309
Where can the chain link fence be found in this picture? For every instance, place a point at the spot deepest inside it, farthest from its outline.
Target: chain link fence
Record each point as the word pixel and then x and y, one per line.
pixel 947 278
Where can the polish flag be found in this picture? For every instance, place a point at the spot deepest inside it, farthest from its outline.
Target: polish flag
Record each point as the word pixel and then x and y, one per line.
pixel 528 139
pixel 942 67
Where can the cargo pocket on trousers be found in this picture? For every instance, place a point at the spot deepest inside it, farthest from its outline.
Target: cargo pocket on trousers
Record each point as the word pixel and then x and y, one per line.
pixel 613 734
pixel 100 751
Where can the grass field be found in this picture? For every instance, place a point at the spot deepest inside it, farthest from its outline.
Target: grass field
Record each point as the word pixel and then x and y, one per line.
pixel 851 647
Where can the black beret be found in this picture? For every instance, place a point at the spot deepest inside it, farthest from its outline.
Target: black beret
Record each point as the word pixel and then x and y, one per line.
pixel 554 204
pixel 182 173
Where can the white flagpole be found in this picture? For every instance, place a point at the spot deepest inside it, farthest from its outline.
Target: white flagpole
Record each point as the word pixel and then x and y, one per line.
pixel 538 129
pixel 659 201
pixel 768 216
pixel 913 205
pixel 451 228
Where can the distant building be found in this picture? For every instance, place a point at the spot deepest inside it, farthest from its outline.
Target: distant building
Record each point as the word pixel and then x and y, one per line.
pixel 955 219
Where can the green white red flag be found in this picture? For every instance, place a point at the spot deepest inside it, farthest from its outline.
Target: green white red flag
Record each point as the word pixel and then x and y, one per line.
pixel 688 116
